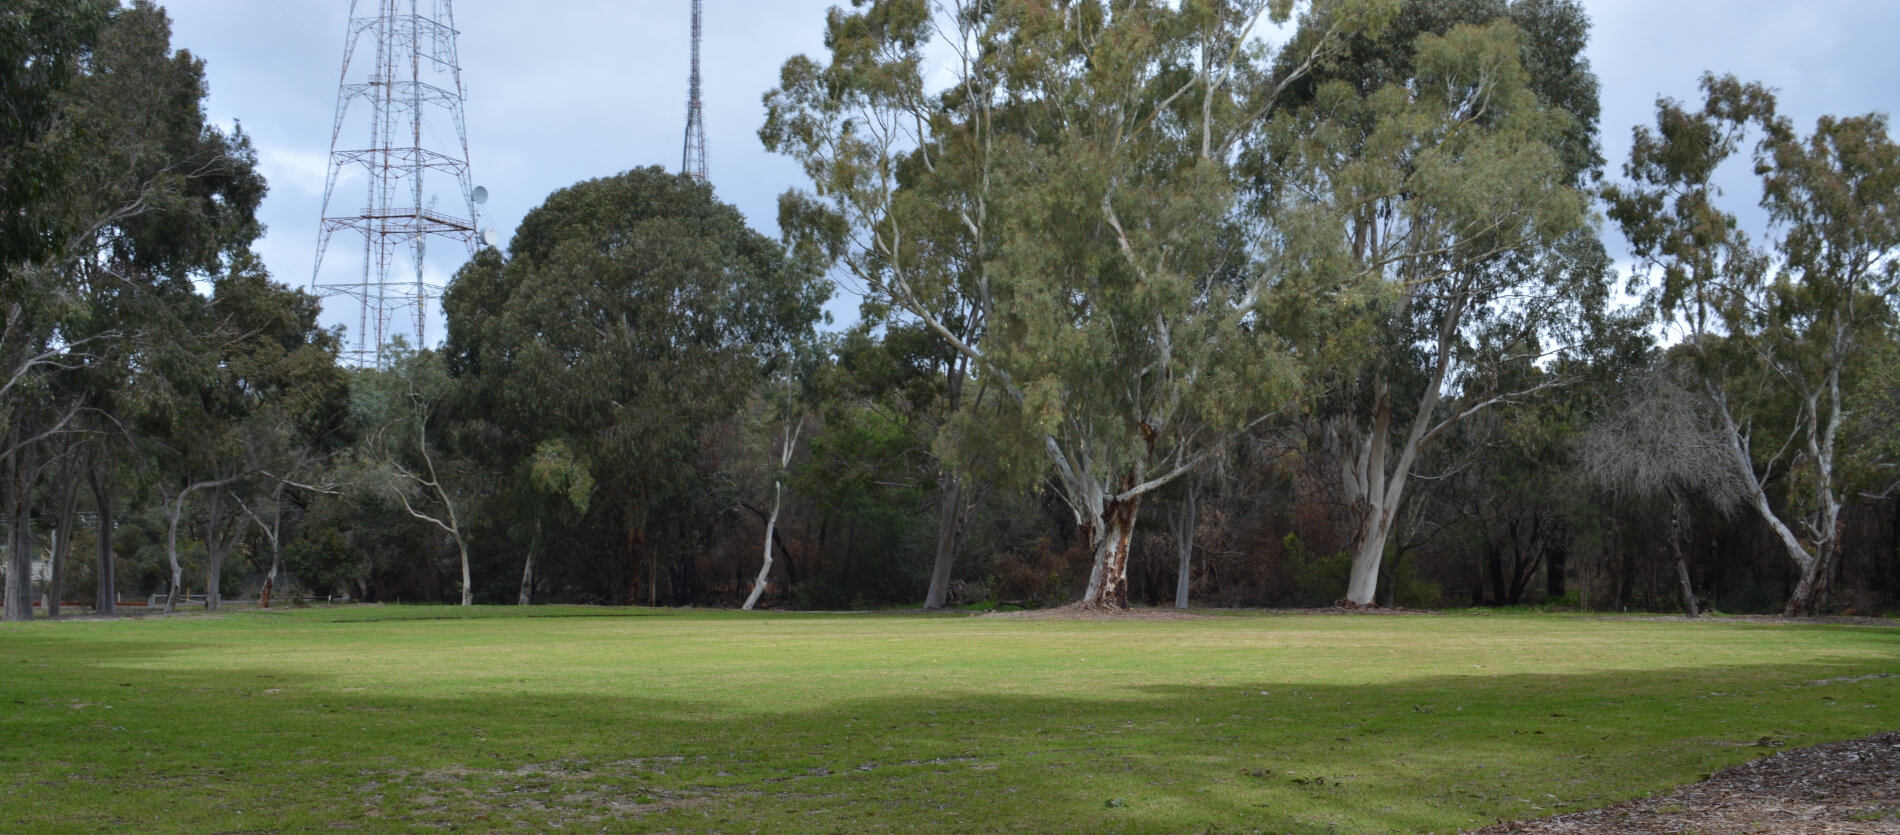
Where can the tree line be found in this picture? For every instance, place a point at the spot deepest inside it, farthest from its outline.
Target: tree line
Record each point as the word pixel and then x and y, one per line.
pixel 1230 302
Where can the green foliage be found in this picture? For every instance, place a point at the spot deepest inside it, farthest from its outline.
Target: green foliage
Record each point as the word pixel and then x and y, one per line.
pixel 323 562
pixel 43 45
pixel 1316 579
pixel 631 315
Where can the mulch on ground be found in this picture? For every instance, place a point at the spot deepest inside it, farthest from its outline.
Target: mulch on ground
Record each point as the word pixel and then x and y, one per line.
pixel 1841 787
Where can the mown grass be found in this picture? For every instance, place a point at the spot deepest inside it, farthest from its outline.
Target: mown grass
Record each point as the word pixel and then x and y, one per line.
pixel 424 718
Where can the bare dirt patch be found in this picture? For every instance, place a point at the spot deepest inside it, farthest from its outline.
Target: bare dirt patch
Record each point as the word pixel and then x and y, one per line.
pixel 1841 787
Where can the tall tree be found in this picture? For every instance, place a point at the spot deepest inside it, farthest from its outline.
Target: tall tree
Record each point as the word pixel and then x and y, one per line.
pixel 131 192
pixel 1774 328
pixel 904 181
pixel 1126 304
pixel 399 414
pixel 1442 158
pixel 631 313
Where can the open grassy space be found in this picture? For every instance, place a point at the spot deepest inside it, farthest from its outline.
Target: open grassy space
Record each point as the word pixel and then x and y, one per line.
pixel 419 718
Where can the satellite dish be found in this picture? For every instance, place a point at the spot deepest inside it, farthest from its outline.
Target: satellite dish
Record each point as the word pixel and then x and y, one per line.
pixel 490 237
pixel 479 195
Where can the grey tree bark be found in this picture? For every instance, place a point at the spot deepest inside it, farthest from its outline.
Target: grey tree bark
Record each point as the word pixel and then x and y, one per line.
pixel 526 596
pixel 173 514
pixel 1676 511
pixel 949 538
pixel 1182 524
pixel 60 544
pixel 224 526
pixel 105 599
pixel 18 494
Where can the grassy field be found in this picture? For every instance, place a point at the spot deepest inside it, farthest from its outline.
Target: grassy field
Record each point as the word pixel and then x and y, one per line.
pixel 424 718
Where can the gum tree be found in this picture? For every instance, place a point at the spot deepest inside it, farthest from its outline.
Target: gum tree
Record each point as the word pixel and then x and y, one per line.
pixel 1775 329
pixel 1080 162
pixel 1441 163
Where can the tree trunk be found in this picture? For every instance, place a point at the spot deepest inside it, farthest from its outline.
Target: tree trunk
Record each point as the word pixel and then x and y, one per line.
pixel 635 555
pixel 1494 566
pixel 171 552
pixel 949 528
pixel 527 571
pixel 105 599
pixel 771 524
pixel 1183 522
pixel 59 544
pixel 1108 586
pixel 1810 594
pixel 468 588
pixel 1376 517
pixel 1556 561
pixel 1682 562
pixel 215 548
pixel 19 500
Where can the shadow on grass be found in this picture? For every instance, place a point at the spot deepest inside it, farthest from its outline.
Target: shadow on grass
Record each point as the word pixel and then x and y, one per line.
pixel 85 743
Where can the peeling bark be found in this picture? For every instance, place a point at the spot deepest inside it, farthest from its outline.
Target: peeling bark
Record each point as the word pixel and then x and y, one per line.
pixel 1108 585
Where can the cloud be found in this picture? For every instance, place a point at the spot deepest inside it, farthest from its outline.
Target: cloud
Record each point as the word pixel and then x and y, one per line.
pixel 299 168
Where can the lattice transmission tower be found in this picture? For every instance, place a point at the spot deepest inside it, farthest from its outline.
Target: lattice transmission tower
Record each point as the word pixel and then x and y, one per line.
pixel 693 161
pixel 417 153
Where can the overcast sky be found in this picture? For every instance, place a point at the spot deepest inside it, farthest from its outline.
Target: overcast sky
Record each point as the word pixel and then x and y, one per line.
pixel 567 90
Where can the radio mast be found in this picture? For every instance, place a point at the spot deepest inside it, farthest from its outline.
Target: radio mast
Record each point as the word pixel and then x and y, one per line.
pixel 417 152
pixel 693 161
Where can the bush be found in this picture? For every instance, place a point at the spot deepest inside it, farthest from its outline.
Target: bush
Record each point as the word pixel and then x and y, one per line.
pixel 1317 581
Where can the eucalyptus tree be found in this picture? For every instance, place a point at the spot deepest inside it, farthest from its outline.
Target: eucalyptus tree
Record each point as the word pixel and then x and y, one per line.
pixel 1082 161
pixel 394 410
pixel 267 379
pixel 44 44
pixel 1776 328
pixel 904 180
pixel 790 415
pixel 631 313
pixel 130 192
pixel 1441 159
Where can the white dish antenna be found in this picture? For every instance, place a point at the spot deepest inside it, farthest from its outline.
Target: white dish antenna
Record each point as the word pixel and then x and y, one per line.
pixel 490 237
pixel 479 195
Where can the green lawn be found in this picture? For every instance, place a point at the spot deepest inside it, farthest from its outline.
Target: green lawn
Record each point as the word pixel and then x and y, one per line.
pixel 424 718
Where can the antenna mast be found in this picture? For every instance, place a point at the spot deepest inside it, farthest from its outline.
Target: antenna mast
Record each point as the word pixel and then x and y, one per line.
pixel 693 162
pixel 413 90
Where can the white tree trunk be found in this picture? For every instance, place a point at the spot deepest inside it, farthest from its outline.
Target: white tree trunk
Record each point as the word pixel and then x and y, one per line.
pixel 765 568
pixel 171 552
